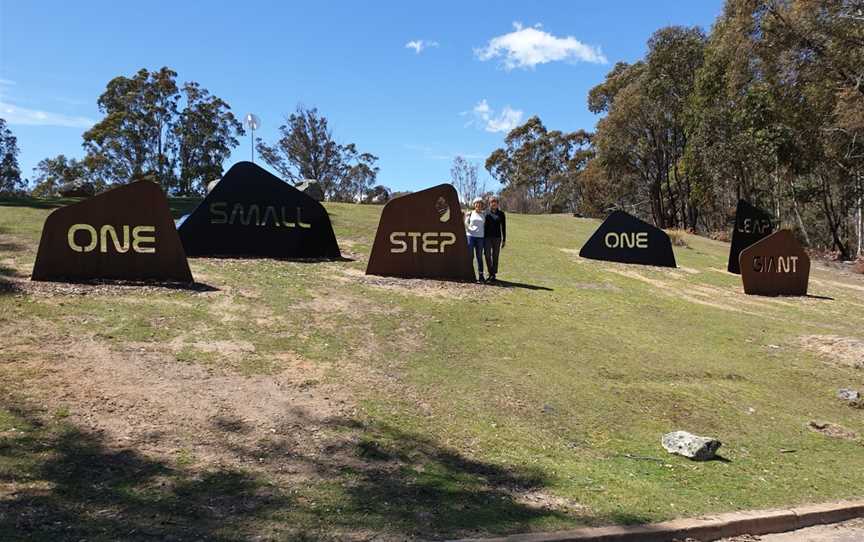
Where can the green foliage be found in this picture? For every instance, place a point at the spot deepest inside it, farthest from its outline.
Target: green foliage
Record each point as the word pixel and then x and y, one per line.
pixel 146 134
pixel 54 173
pixel 540 165
pixel 10 172
pixel 307 150
pixel 768 107
pixel 642 139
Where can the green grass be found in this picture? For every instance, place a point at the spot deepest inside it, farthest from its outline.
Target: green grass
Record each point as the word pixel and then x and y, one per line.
pixel 466 398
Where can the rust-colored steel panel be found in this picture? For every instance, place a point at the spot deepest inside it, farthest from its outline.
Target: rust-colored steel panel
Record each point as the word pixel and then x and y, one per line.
pixel 626 239
pixel 776 265
pixel 126 233
pixel 751 224
pixel 251 212
pixel 422 235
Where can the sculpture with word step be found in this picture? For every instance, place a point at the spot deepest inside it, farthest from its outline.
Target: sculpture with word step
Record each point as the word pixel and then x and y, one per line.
pixel 125 233
pixel 251 212
pixel 624 238
pixel 751 225
pixel 776 265
pixel 422 235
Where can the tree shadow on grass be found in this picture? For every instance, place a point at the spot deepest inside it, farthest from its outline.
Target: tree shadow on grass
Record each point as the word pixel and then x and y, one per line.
pixel 85 490
pixel 68 484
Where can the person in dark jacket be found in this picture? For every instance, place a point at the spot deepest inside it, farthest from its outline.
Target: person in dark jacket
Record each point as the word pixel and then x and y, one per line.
pixel 495 236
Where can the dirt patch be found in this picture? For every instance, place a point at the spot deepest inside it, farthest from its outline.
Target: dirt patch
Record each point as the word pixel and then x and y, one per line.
pixel 544 501
pixel 335 301
pixel 149 401
pixel 832 430
pixel 842 351
pixel 436 289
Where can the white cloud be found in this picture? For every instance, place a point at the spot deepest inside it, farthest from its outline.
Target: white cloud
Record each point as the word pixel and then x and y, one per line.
pixel 431 153
pixel 482 115
pixel 528 47
pixel 420 45
pixel 34 117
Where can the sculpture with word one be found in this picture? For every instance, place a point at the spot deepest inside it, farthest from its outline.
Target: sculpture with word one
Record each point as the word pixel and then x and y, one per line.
pixel 422 235
pixel 751 225
pixel 125 233
pixel 624 238
pixel 776 265
pixel 251 212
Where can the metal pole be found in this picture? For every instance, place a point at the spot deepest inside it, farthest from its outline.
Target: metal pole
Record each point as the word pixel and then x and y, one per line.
pixel 252 141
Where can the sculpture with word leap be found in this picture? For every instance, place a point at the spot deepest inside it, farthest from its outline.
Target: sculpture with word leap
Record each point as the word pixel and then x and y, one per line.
pixel 751 224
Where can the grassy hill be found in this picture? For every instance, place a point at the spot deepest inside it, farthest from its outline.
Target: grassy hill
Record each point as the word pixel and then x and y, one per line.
pixel 292 398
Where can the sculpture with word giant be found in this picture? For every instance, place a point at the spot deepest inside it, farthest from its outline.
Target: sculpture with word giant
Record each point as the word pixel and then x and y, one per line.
pixel 751 224
pixel 624 238
pixel 422 235
pixel 126 233
pixel 776 265
pixel 251 212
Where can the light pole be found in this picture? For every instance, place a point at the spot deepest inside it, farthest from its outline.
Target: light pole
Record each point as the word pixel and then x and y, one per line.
pixel 252 122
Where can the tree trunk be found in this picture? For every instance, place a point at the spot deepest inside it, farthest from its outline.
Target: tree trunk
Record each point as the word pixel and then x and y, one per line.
pixel 833 221
pixel 860 250
pixel 797 212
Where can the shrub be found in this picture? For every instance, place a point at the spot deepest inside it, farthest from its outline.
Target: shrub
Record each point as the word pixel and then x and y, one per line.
pixel 678 237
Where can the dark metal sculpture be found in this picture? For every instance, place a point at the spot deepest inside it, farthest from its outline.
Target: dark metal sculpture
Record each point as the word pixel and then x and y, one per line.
pixel 251 212
pixel 126 233
pixel 751 224
pixel 626 239
pixel 422 235
pixel 776 265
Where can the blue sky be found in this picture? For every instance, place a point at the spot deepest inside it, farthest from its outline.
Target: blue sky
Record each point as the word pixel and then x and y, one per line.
pixel 480 67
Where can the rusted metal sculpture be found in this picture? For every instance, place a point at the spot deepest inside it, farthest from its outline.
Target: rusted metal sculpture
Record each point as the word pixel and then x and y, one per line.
pixel 422 235
pixel 751 224
pixel 251 212
pixel 626 239
pixel 776 265
pixel 126 233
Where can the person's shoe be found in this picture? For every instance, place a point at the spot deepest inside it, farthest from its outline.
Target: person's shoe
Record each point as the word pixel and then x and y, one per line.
pixel 492 278
pixel 481 280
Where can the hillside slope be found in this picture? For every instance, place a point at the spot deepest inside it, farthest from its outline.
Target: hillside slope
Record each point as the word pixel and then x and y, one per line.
pixel 288 397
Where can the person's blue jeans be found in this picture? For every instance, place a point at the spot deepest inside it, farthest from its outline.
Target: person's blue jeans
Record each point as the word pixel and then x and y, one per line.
pixel 476 244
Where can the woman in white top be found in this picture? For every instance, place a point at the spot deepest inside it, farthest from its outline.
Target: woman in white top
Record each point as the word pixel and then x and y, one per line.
pixel 475 225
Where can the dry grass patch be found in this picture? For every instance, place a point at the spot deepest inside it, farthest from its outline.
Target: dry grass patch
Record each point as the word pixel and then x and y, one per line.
pixel 678 237
pixel 842 351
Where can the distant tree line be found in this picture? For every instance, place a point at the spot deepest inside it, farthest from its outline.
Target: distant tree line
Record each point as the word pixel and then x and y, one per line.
pixel 768 106
pixel 178 136
pixel 181 136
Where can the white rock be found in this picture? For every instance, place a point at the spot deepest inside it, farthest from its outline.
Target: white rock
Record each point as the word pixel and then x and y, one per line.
pixel 848 395
pixel 690 445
